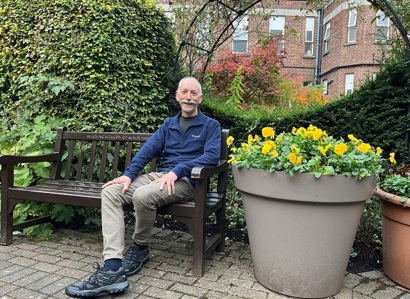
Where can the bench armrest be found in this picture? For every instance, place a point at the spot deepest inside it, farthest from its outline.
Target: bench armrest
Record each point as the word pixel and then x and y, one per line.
pixel 202 172
pixel 13 160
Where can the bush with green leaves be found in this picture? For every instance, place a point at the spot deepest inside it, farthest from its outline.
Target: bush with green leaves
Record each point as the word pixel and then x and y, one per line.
pixel 104 65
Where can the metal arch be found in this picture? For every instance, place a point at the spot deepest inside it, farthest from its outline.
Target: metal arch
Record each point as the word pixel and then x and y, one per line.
pixel 209 52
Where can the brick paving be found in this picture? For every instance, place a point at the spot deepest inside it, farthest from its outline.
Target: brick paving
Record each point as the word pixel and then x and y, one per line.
pixel 42 269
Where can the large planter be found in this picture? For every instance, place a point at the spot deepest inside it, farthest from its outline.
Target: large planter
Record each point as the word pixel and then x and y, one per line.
pixel 396 237
pixel 301 229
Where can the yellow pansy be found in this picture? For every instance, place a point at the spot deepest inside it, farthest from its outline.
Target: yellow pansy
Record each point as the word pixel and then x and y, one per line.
pixel 352 138
pixel 340 148
pixel 322 150
pixel 295 149
pixel 273 154
pixel 250 139
pixel 266 148
pixel 232 160
pixel 229 140
pixel 292 158
pixel 293 130
pixel 301 131
pixel 268 132
pixel 378 151
pixel 317 134
pixel 364 147
pixel 299 160
pixel 245 147
pixel 392 159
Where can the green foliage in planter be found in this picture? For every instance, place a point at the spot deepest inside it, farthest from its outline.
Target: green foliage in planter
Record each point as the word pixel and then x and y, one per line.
pixel 102 64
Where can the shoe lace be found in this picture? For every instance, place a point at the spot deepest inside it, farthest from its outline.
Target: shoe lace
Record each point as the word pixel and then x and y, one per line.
pixel 95 277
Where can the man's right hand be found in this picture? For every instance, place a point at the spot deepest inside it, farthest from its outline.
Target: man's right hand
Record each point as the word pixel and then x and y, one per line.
pixel 126 181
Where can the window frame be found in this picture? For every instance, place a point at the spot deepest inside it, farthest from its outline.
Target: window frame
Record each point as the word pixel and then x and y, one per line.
pixel 326 38
pixel 240 35
pixel 349 80
pixel 309 44
pixel 382 21
pixel 274 21
pixel 352 26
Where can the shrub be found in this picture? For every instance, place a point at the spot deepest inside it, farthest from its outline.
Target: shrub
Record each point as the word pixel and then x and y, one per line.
pixel 102 64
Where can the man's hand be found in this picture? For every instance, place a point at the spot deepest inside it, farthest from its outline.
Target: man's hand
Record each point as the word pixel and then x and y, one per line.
pixel 169 180
pixel 126 181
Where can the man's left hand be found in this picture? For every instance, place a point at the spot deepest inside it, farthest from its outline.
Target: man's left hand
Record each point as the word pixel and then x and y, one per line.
pixel 169 180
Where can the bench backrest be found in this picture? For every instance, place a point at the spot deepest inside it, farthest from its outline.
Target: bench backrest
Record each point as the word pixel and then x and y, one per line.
pixel 101 156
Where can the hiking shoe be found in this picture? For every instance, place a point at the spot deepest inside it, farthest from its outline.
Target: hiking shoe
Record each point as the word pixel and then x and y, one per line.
pixel 134 258
pixel 103 280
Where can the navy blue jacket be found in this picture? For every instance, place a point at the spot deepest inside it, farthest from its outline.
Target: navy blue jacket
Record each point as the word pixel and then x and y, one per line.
pixel 199 146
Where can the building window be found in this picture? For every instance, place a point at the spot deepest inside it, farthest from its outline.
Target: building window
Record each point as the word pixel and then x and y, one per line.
pixel 309 34
pixel 349 83
pixel 240 36
pixel 277 29
pixel 351 36
pixel 325 87
pixel 382 27
pixel 327 38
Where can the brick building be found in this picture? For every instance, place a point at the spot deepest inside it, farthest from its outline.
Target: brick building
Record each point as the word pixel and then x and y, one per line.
pixel 339 45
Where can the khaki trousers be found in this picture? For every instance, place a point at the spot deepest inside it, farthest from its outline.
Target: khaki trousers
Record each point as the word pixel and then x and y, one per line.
pixel 145 197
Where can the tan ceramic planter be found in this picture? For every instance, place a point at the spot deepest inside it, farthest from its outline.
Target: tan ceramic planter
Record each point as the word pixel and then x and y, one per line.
pixel 396 237
pixel 301 229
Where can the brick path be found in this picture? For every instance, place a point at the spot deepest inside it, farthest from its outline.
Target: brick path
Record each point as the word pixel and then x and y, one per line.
pixel 42 269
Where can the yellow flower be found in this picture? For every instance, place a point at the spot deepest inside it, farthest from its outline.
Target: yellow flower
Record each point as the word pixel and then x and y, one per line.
pixel 109 7
pixel 378 151
pixel 352 138
pixel 299 160
pixel 250 139
pixel 293 130
pixel 272 144
pixel 340 148
pixel 301 131
pixel 229 140
pixel 364 147
pixel 232 160
pixel 268 132
pixel 308 134
pixel 274 154
pixel 266 148
pixel 392 160
pixel 317 134
pixel 295 149
pixel 234 149
pixel 245 147
pixel 312 128
pixel 292 158
pixel 322 150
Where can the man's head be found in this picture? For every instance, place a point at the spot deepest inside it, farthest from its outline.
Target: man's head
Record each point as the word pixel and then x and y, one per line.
pixel 189 96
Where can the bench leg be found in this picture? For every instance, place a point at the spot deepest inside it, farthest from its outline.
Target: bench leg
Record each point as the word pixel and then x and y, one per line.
pixel 198 265
pixel 6 223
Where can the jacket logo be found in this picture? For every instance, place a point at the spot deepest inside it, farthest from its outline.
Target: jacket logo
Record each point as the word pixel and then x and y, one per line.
pixel 195 136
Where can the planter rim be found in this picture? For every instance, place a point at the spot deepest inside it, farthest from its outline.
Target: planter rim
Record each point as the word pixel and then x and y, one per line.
pixel 327 189
pixel 384 195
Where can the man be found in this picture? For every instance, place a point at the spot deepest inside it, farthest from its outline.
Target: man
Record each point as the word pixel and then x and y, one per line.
pixel 186 140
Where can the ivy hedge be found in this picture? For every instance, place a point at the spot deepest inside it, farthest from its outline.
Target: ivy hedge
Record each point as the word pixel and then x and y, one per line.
pixel 99 65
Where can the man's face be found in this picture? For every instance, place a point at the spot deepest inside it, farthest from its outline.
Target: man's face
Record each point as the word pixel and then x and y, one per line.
pixel 189 97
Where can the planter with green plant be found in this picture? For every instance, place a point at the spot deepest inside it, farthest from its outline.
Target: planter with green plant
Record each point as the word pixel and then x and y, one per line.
pixel 303 194
pixel 394 193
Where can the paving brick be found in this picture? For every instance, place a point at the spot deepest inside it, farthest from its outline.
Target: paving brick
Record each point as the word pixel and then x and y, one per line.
pixel 44 269
pixel 26 294
pixel 386 293
pixel 368 288
pixel 162 294
pixel 190 290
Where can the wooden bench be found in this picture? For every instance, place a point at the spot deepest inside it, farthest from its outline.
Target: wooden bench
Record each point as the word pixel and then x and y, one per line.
pixel 83 161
